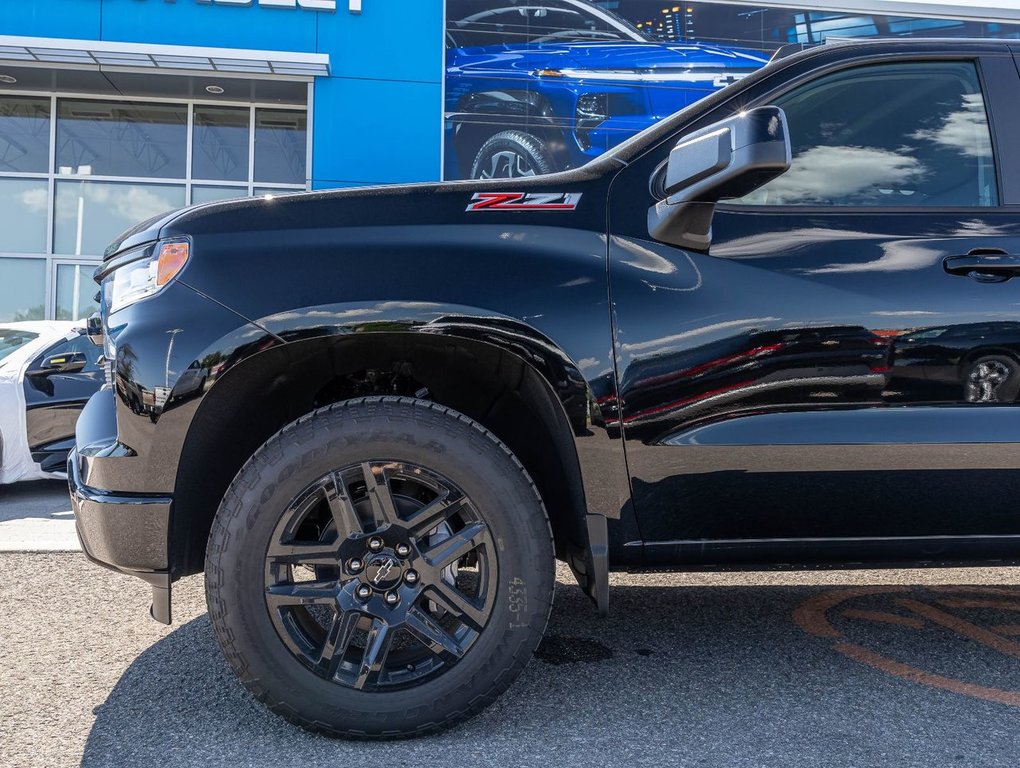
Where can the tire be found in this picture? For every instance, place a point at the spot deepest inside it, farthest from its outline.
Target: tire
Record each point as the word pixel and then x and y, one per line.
pixel 512 155
pixel 452 649
pixel 992 379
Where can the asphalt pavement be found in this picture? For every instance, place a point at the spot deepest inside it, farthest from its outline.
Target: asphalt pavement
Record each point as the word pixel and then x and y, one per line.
pixel 841 668
pixel 36 517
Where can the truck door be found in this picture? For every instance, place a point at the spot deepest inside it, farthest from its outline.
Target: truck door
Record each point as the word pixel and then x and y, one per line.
pixel 766 399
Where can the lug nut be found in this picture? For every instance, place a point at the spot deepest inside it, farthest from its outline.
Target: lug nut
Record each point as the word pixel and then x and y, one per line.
pixel 375 543
pixel 403 550
pixel 364 591
pixel 411 577
pixel 354 565
pixel 392 598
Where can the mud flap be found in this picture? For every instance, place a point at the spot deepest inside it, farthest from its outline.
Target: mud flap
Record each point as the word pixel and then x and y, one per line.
pixel 591 567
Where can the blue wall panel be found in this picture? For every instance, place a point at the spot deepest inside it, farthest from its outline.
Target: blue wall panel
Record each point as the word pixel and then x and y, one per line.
pixel 377 119
pixel 390 40
pixel 376 131
pixel 187 22
pixel 51 18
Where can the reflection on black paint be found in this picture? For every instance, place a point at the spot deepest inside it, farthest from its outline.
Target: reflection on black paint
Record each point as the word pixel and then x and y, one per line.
pixel 750 368
pixel 973 362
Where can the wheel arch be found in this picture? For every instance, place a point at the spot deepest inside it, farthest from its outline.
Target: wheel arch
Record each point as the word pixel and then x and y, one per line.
pixel 509 378
pixel 973 355
pixel 481 115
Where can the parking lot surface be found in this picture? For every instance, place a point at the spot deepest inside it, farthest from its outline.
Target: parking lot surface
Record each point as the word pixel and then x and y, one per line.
pixel 36 517
pixel 864 668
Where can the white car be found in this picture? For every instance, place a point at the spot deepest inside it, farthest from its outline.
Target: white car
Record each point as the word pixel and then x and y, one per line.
pixel 48 370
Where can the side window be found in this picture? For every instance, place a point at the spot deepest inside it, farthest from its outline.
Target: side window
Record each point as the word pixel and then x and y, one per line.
pixel 912 134
pixel 79 343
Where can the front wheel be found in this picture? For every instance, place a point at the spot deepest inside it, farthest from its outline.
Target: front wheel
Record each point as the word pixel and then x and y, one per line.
pixel 992 379
pixel 380 568
pixel 512 155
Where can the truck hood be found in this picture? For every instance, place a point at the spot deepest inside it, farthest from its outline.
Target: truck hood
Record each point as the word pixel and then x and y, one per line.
pixel 639 58
pixel 329 215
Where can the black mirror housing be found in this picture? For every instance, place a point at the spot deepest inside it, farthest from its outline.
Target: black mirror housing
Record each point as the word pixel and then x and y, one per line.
pixel 70 363
pixel 728 159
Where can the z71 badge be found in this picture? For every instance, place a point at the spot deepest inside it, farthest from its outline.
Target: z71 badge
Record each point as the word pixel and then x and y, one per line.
pixel 524 201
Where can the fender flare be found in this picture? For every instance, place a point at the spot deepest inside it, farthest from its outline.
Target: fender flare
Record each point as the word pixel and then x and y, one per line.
pixel 588 407
pixel 585 413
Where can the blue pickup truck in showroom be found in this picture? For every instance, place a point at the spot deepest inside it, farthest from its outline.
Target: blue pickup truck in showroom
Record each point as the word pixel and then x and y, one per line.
pixel 537 86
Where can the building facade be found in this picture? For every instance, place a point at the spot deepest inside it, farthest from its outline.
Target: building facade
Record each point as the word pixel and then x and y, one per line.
pixel 112 111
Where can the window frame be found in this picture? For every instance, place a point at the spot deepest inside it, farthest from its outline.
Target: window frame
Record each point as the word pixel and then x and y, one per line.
pixel 188 182
pixel 992 77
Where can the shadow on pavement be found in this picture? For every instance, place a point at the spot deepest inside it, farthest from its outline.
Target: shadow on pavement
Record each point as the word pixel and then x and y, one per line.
pixel 726 676
pixel 38 499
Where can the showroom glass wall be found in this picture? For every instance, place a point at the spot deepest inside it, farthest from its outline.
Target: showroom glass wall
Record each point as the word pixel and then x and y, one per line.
pixel 76 171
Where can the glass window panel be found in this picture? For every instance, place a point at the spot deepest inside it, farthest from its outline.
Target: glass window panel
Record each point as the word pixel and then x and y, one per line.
pixel 24 134
pixel 76 291
pixel 22 289
pixel 263 191
pixel 281 145
pixel 122 138
pixel 24 204
pixel 95 212
pixel 911 134
pixel 13 338
pixel 220 145
pixel 209 194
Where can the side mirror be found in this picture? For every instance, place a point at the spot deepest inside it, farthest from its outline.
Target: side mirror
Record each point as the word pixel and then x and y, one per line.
pixel 731 158
pixel 70 363
pixel 94 329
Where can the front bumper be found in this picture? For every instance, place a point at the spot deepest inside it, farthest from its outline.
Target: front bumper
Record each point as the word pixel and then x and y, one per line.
pixel 126 533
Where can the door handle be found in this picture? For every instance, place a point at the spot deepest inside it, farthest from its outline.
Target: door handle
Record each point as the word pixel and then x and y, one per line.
pixel 985 264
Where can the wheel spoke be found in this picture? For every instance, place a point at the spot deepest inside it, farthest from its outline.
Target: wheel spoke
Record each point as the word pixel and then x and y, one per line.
pixel 448 597
pixel 383 509
pixel 346 573
pixel 456 546
pixel 339 637
pixel 376 647
pixel 345 516
pixel 435 512
pixel 433 636
pixel 305 553
pixel 302 593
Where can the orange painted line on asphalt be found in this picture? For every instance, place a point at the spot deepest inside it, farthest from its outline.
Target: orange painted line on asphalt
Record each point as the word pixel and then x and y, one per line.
pixel 963 627
pixel 887 618
pixel 914 675
pixel 973 602
pixel 1008 591
pixel 810 615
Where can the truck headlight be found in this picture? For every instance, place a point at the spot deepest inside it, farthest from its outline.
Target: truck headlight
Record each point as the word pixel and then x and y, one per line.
pixel 152 268
pixel 592 110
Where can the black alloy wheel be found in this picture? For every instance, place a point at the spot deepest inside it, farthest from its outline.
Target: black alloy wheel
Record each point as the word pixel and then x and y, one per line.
pixel 512 155
pixel 380 575
pixel 992 379
pixel 380 568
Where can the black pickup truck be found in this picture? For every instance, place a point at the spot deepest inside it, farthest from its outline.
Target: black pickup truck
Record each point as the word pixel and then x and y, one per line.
pixel 376 417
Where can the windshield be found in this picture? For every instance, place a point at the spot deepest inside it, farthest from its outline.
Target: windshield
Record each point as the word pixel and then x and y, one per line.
pixel 11 339
pixel 501 22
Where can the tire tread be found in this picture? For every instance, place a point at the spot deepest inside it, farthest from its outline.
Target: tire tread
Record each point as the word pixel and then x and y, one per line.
pixel 269 457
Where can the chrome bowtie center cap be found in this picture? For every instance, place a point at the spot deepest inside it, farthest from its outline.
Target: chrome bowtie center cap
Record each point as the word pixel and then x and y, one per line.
pixel 384 572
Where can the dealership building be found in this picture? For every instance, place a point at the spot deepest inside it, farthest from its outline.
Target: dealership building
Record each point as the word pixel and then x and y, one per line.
pixel 112 111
